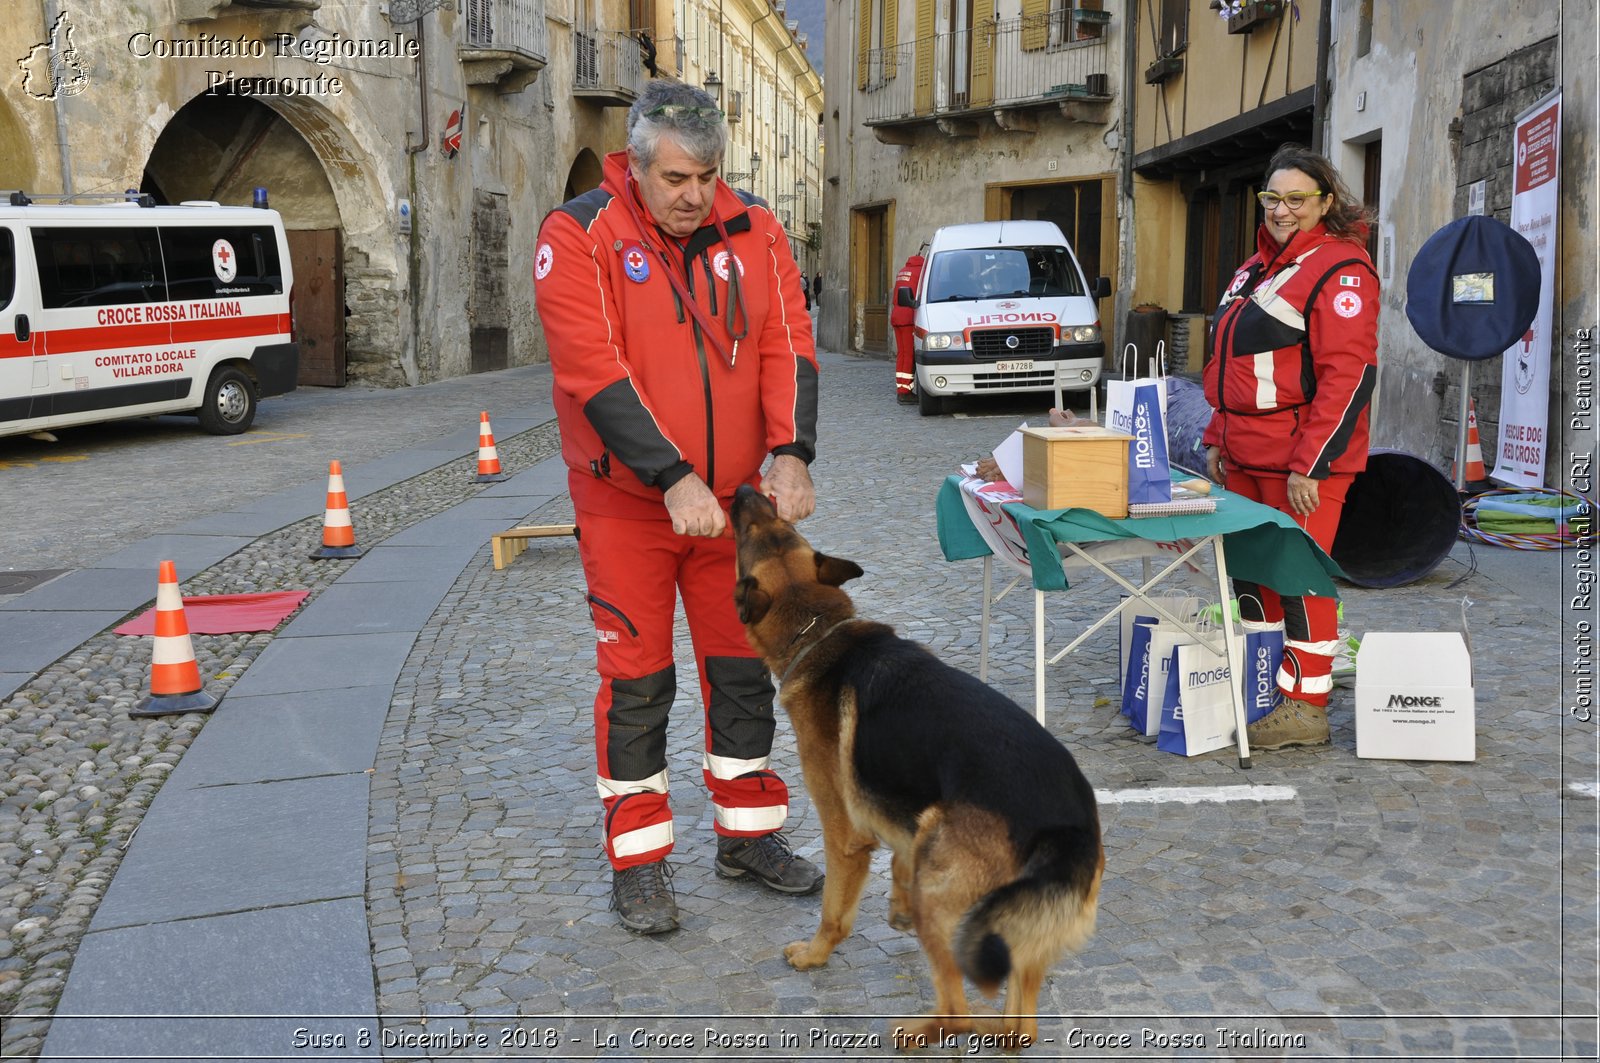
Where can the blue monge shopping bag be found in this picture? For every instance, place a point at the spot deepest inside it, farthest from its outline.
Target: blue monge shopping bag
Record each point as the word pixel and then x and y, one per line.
pixel 1263 653
pixel 1149 470
pixel 1170 738
pixel 1136 681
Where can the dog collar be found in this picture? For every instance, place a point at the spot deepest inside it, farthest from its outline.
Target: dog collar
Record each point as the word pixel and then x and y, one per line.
pixel 797 658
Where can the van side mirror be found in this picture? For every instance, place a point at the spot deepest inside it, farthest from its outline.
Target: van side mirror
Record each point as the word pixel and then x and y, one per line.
pixel 905 297
pixel 24 331
pixel 1102 287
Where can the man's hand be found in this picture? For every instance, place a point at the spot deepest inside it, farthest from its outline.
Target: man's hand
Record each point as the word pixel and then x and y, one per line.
pixel 788 484
pixel 694 509
pixel 1214 463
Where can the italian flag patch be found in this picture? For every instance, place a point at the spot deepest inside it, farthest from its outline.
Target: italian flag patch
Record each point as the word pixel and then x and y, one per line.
pixel 1348 281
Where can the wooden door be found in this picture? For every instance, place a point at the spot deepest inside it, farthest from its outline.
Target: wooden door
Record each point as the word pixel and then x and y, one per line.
pixel 317 258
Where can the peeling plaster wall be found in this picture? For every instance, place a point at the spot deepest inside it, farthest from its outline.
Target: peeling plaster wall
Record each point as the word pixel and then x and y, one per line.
pixel 1438 136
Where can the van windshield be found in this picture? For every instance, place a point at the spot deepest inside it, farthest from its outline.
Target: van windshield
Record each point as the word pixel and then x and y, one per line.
pixel 1002 272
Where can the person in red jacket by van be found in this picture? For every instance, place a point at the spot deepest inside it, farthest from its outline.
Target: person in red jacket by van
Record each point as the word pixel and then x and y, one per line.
pixel 683 360
pixel 901 317
pixel 1291 379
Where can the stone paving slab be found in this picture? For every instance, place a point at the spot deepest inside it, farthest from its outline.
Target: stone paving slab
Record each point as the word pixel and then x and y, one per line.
pixel 373 476
pixel 325 663
pixel 31 641
pixel 546 479
pixel 244 521
pixel 191 553
pixel 213 850
pixel 233 973
pixel 387 563
pixel 126 589
pixel 367 608
pixel 13 681
pixel 445 531
pixel 286 736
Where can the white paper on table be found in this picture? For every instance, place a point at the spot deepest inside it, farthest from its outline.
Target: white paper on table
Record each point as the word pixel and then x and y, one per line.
pixel 1008 455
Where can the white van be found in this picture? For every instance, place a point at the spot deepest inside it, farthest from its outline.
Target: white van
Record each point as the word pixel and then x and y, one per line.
pixel 129 309
pixel 1003 306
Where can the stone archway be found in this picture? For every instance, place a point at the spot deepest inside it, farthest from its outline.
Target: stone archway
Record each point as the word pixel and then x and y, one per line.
pixel 584 175
pixel 348 284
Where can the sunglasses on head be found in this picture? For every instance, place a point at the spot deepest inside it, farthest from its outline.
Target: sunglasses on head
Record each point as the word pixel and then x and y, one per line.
pixel 1294 200
pixel 685 110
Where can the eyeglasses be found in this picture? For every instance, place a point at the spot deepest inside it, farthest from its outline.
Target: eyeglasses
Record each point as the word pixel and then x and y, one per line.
pixel 685 110
pixel 1294 200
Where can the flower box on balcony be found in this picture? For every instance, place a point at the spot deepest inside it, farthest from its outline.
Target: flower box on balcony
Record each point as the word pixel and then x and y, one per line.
pixel 1087 16
pixel 1251 15
pixel 1162 69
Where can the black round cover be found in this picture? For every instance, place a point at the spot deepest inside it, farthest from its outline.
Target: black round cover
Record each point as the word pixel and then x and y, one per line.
pixel 1473 327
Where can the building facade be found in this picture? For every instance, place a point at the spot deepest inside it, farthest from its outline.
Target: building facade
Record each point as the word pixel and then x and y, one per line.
pixel 1413 101
pixel 413 147
pixel 945 112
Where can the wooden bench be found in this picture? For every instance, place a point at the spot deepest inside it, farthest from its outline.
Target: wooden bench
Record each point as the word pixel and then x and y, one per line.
pixel 508 544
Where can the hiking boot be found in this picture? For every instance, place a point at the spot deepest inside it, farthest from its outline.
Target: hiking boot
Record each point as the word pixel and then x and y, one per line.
pixel 770 859
pixel 642 898
pixel 905 398
pixel 1292 723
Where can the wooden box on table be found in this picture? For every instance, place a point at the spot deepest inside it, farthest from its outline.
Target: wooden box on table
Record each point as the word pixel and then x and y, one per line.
pixel 1084 465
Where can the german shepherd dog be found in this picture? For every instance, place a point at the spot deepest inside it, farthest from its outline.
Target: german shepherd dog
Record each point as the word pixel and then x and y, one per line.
pixel 996 836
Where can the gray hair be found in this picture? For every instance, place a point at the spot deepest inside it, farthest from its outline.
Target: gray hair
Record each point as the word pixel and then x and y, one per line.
pixel 686 114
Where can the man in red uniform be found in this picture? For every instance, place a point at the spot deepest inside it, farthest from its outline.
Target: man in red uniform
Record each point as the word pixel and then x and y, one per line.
pixel 683 357
pixel 900 317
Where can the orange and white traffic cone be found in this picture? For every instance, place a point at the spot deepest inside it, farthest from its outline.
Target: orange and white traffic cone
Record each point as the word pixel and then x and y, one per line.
pixel 1475 470
pixel 175 684
pixel 488 456
pixel 338 534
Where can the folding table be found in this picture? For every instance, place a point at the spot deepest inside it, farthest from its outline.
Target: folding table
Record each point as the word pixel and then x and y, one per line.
pixel 1258 542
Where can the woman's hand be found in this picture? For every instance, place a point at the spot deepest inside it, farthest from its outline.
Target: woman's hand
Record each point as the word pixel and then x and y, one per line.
pixel 1303 494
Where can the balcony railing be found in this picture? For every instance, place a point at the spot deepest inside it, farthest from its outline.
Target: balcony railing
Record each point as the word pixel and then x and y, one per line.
pixel 1055 69
pixel 606 67
pixel 504 43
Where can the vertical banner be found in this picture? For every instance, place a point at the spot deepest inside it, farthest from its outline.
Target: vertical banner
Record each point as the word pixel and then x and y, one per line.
pixel 1525 376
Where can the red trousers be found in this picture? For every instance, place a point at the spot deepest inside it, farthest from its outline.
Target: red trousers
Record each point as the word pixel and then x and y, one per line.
pixel 1310 624
pixel 904 360
pixel 635 570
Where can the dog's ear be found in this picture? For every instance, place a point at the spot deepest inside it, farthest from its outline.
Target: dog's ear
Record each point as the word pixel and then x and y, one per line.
pixel 751 601
pixel 835 571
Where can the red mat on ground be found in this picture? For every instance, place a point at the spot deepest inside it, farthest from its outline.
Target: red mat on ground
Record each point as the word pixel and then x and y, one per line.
pixel 224 614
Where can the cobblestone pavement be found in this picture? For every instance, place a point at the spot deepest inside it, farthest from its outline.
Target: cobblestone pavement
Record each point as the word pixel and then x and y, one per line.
pixel 1388 909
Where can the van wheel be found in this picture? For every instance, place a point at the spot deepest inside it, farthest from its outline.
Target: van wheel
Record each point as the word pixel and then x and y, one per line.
pixel 929 405
pixel 230 405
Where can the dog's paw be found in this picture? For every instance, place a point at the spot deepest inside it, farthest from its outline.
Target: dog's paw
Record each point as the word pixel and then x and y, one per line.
pixel 902 921
pixel 802 957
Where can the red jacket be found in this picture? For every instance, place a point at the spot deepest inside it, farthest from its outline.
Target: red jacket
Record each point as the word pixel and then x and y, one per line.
pixel 908 277
pixel 1295 357
pixel 643 394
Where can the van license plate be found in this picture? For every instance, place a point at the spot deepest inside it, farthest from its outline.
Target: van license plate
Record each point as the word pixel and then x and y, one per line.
pixel 1024 366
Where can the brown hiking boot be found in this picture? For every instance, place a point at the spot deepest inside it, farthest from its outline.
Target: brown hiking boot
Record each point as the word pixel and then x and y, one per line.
pixel 1292 723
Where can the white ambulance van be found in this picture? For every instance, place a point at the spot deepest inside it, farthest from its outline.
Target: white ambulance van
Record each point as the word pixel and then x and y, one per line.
pixel 129 309
pixel 1003 306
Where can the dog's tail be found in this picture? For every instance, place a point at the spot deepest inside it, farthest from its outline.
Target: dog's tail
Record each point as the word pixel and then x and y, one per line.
pixel 1047 909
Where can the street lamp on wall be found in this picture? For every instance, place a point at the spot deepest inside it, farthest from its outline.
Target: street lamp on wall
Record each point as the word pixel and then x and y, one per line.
pixel 714 87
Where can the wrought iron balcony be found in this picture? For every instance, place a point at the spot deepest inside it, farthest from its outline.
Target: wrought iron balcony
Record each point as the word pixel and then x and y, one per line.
pixel 202 10
pixel 1036 64
pixel 607 67
pixel 504 43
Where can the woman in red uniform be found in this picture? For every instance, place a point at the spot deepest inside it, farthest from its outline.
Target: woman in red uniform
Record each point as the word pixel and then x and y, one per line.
pixel 1291 377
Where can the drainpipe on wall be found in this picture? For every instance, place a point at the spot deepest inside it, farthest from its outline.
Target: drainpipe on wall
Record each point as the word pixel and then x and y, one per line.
pixel 52 13
pixel 1319 93
pixel 1125 220
pixel 413 371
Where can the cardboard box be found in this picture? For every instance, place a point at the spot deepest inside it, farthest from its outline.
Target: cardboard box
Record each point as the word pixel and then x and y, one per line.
pixel 1084 465
pixel 1414 697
